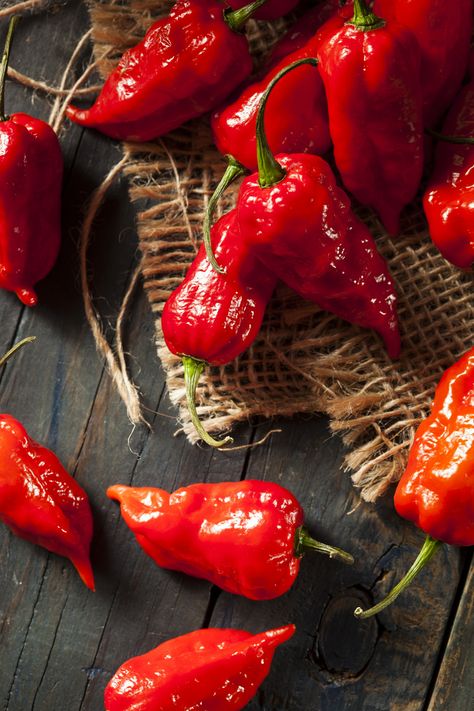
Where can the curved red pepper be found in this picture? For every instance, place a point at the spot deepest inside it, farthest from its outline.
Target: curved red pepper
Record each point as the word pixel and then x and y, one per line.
pixel 443 31
pixel 272 10
pixel 213 318
pixel 449 198
pixel 186 65
pixel 208 669
pixel 299 223
pixel 31 168
pixel 370 70
pixel 303 130
pixel 247 537
pixel 40 501
pixel 436 490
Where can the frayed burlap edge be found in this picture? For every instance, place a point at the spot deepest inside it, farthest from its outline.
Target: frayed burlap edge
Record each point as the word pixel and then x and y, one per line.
pixel 304 360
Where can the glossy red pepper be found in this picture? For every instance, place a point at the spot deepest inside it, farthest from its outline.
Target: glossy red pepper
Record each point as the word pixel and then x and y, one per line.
pixel 443 31
pixel 39 500
pixel 186 65
pixel 31 168
pixel 208 669
pixel 299 223
pixel 272 10
pixel 370 70
pixel 436 491
pixel 213 318
pixel 247 537
pixel 449 198
pixel 303 29
pixel 303 130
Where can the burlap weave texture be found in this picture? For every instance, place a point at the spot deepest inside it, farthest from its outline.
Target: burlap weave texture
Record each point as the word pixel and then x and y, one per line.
pixel 304 360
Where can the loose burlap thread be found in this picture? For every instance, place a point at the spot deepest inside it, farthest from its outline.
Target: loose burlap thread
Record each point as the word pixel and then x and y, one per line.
pixel 304 360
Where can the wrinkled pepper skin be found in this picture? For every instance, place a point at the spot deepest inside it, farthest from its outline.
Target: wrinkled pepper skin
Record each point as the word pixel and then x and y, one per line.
pixel 186 65
pixel 40 501
pixel 303 130
pixel 443 31
pixel 208 669
pixel 303 229
pixel 436 491
pixel 216 317
pixel 375 115
pixel 240 535
pixel 449 198
pixel 31 169
pixel 272 10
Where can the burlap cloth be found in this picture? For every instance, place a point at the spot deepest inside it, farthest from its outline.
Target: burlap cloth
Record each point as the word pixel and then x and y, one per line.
pixel 304 360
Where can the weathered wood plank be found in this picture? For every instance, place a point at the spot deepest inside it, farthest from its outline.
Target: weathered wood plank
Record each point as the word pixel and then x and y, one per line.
pixel 454 689
pixel 335 661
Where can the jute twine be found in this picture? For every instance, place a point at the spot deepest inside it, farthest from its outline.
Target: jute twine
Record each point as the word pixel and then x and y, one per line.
pixel 304 360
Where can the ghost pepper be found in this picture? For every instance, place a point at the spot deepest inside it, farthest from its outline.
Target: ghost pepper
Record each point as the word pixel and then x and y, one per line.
pixel 31 168
pixel 443 31
pixel 208 669
pixel 299 223
pixel 449 198
pixel 247 537
pixel 436 490
pixel 40 501
pixel 305 130
pixel 371 72
pixel 186 65
pixel 212 317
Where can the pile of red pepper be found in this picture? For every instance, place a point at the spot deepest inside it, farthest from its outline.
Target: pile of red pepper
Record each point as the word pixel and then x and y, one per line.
pixel 368 79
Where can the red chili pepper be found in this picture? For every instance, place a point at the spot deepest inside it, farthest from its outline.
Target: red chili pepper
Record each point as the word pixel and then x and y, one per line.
pixel 449 198
pixel 186 65
pixel 39 500
pixel 208 669
pixel 247 537
pixel 299 223
pixel 436 491
pixel 213 318
pixel 443 30
pixel 31 167
pixel 272 10
pixel 370 70
pixel 301 131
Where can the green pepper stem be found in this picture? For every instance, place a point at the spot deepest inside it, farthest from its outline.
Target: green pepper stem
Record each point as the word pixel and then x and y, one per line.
pixel 469 140
pixel 4 63
pixel 233 171
pixel 236 19
pixel 16 348
pixel 430 546
pixel 270 171
pixel 364 19
pixel 192 372
pixel 305 542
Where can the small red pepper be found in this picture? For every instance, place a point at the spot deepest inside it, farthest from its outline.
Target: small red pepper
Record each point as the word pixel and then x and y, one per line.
pixel 39 500
pixel 212 317
pixel 305 130
pixel 186 65
pixel 208 669
pixel 449 198
pixel 436 491
pixel 31 168
pixel 299 223
pixel 247 537
pixel 443 31
pixel 370 70
pixel 272 10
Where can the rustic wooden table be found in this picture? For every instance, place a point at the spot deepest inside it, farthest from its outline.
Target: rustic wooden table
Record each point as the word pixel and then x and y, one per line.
pixel 60 643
